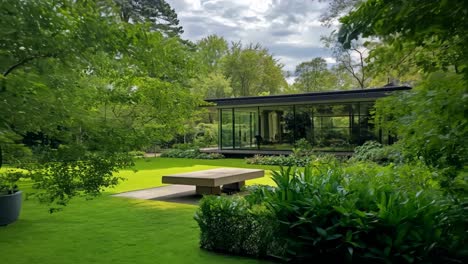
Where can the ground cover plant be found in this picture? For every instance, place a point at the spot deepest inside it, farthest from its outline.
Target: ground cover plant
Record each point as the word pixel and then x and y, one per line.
pixel 115 230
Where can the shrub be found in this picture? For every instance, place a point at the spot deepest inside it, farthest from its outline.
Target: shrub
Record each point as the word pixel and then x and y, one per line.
pixel 302 148
pixel 137 154
pixel 9 181
pixel 281 160
pixel 366 215
pixel 291 160
pixel 190 154
pixel 232 225
pixel 360 213
pixel 376 152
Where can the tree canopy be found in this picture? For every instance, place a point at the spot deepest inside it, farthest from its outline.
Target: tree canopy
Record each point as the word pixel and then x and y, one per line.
pixel 74 76
pixel 434 32
pixel 158 13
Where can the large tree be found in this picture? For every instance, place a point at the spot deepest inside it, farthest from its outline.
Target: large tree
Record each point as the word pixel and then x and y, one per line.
pixel 86 84
pixel 430 37
pixel 158 13
pixel 312 75
pixel 210 51
pixel 253 71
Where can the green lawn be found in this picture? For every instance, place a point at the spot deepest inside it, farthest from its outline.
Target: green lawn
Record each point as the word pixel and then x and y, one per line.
pixel 117 230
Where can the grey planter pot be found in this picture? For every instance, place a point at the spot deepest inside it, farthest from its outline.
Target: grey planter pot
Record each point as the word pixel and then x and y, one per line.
pixel 10 207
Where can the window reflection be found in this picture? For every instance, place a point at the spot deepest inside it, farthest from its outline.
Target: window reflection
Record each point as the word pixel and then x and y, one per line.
pixel 334 127
pixel 276 127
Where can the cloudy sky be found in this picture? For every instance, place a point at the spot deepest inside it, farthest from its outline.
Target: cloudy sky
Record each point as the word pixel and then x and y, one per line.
pixel 290 30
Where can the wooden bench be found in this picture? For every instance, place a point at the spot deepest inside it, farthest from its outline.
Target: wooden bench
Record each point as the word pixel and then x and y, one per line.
pixel 210 181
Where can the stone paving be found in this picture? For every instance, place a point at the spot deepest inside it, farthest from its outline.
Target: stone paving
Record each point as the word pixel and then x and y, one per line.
pixel 170 193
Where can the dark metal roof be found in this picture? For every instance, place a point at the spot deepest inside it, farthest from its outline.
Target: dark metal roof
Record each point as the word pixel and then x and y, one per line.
pixel 315 97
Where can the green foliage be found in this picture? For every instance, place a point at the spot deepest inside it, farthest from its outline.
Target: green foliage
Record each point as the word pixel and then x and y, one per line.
pixel 432 33
pixel 137 154
pixel 363 213
pixel 213 85
pixel 211 51
pixel 80 79
pixel 232 225
pixel 280 160
pixel 376 152
pixel 384 217
pixel 9 181
pixel 302 148
pixel 430 121
pixel 158 13
pixel 313 75
pixel 300 158
pixel 253 71
pixel 206 135
pixel 58 182
pixel 190 154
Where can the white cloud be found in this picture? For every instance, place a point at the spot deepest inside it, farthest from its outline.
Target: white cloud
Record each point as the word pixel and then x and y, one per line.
pixel 291 30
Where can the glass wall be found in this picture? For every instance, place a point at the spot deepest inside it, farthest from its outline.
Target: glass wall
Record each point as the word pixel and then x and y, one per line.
pixel 245 127
pixel 226 134
pixel 276 127
pixel 334 127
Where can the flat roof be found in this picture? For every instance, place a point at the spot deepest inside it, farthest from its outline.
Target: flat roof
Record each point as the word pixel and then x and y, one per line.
pixel 313 97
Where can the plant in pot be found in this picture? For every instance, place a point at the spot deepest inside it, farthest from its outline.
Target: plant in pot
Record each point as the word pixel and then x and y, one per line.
pixel 10 196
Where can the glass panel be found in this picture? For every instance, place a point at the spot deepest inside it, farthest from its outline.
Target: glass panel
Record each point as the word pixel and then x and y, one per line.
pixel 304 123
pixel 333 139
pixel 365 108
pixel 246 120
pixel 276 127
pixel 340 121
pixel 226 129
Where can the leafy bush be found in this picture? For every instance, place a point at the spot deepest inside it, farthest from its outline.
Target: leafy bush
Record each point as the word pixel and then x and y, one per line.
pixel 232 225
pixel 206 135
pixel 430 121
pixel 376 152
pixel 137 154
pixel 190 154
pixel 291 160
pixel 364 213
pixel 9 181
pixel 280 160
pixel 302 148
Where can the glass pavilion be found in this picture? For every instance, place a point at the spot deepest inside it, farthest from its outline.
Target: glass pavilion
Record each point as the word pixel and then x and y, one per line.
pixel 330 121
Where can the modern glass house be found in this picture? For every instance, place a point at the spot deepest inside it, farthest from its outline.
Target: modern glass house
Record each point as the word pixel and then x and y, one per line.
pixel 330 121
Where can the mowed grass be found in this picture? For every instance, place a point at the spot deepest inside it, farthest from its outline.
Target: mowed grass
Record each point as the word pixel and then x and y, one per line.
pixel 117 230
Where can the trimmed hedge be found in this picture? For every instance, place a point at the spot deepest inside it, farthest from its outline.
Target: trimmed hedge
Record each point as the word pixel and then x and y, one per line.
pixel 232 225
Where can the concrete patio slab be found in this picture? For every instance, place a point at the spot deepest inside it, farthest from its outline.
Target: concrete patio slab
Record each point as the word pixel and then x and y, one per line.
pixel 170 193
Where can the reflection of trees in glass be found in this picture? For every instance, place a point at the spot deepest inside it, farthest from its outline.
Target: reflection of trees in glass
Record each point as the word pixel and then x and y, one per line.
pixel 303 123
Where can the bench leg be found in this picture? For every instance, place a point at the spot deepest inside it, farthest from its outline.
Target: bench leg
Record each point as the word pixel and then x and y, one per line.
pixel 233 187
pixel 200 190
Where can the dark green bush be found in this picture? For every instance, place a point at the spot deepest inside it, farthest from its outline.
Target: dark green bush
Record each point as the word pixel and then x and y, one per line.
pixel 232 225
pixel 190 154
